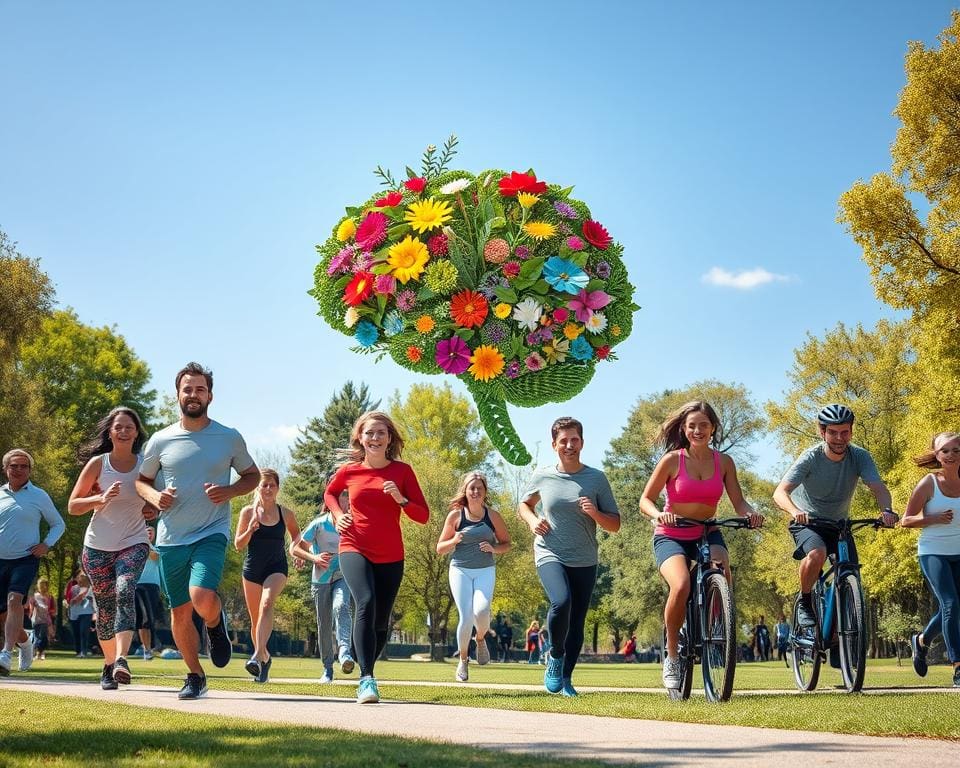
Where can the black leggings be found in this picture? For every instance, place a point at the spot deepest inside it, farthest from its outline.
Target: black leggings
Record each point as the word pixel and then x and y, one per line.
pixel 568 590
pixel 374 587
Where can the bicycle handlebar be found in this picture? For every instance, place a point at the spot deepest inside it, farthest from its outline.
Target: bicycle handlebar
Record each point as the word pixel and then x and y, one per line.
pixel 839 525
pixel 727 522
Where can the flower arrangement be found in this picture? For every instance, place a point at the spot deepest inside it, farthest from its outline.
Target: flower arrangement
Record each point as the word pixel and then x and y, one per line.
pixel 500 279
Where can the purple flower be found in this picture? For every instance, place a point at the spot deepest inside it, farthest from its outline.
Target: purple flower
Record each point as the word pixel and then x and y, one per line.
pixel 513 369
pixel 603 270
pixel 533 339
pixel 453 355
pixel 546 333
pixel 492 281
pixel 565 209
pixel 535 361
pixel 341 262
pixel 521 252
pixel 406 300
pixel 587 302
pixel 362 262
pixel 385 284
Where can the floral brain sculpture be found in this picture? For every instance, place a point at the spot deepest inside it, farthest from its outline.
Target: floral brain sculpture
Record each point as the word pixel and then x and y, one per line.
pixel 499 279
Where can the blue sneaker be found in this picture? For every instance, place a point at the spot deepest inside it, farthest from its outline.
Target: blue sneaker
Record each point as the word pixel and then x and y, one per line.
pixel 568 690
pixel 553 675
pixel 367 692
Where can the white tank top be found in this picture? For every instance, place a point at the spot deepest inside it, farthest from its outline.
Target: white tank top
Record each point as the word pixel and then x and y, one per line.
pixel 119 524
pixel 940 539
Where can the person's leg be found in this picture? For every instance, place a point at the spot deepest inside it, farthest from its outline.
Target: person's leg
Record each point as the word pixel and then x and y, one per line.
pixel 252 592
pixel 75 631
pixel 175 573
pixel 322 604
pixel 86 619
pixel 553 577
pixel 484 580
pixel 676 572
pixel 185 636
pixel 461 587
pixel 943 573
pixel 358 572
pixel 206 570
pixel 387 578
pixel 272 587
pixel 99 566
pixel 343 624
pixel 934 627
pixel 581 582
pixel 13 625
pixel 127 568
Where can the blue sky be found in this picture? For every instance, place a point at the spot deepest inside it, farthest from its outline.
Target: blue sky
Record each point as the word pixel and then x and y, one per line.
pixel 173 165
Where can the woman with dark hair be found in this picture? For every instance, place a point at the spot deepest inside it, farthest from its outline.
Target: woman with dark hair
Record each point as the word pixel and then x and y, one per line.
pixel 380 488
pixel 115 545
pixel 576 499
pixel 472 534
pixel 262 530
pixel 695 474
pixel 932 508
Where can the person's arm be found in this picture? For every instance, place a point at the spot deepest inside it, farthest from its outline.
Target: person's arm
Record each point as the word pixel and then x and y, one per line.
pixel 604 512
pixel 500 531
pixel 220 494
pixel 342 518
pixel 293 528
pixel 410 497
pixel 781 497
pixel 449 536
pixel 247 523
pixel 56 530
pixel 84 497
pixel 882 494
pixel 301 548
pixel 735 493
pixel 527 509
pixel 915 516
pixel 666 468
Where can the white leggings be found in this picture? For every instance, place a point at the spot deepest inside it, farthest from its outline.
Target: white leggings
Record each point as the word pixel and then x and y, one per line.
pixel 472 592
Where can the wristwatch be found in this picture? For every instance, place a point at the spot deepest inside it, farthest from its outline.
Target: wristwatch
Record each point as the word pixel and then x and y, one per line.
pixel 404 502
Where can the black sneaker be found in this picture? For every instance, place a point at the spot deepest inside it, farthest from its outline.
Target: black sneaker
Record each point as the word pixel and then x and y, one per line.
pixel 194 687
pixel 121 671
pixel 106 678
pixel 956 677
pixel 253 668
pixel 805 616
pixel 265 670
pixel 919 656
pixel 220 648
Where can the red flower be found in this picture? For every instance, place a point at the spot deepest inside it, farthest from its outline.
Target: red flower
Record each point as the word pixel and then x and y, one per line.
pixel 437 245
pixel 359 288
pixel 372 231
pixel 603 352
pixel 414 354
pixel 511 269
pixel 392 199
pixel 468 308
pixel 416 184
pixel 560 315
pixel 597 235
pixel 521 182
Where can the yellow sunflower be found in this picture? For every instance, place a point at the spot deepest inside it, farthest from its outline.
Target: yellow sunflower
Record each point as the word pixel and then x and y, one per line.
pixel 487 362
pixel 407 259
pixel 424 215
pixel 346 230
pixel 502 310
pixel 527 200
pixel 425 324
pixel 540 230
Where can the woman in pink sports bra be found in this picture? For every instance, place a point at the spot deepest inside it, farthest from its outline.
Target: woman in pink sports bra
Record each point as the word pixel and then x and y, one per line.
pixel 695 475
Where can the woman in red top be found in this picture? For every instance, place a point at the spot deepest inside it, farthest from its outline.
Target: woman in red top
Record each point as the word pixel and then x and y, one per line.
pixel 371 545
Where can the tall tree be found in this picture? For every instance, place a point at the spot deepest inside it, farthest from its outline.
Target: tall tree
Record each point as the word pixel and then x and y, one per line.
pixel 314 452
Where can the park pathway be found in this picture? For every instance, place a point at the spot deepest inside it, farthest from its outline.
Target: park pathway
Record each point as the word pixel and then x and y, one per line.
pixel 612 740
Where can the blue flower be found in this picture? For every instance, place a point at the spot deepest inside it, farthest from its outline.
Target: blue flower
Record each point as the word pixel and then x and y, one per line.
pixel 366 333
pixel 392 323
pixel 581 349
pixel 564 275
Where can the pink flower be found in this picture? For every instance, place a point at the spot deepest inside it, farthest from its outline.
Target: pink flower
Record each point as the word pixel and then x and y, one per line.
pixel 341 262
pixel 587 302
pixel 560 315
pixel 437 245
pixel 574 243
pixel 511 269
pixel 535 361
pixel 385 284
pixel 406 300
pixel 372 230
pixel 453 355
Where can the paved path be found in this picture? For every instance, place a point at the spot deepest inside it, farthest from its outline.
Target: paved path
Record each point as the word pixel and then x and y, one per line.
pixel 576 736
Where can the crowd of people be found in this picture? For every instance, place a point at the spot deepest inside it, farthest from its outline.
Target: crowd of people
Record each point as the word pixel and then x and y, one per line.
pixel 159 519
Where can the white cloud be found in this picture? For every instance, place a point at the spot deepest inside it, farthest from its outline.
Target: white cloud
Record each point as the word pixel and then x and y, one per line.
pixel 744 280
pixel 280 434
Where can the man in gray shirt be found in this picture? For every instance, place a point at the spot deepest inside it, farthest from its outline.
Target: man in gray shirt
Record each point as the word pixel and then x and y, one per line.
pixel 191 462
pixel 820 486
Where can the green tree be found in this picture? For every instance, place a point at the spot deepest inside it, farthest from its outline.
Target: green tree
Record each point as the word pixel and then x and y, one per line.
pixel 314 452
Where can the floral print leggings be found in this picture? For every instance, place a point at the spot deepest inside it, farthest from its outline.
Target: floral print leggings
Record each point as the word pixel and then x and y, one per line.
pixel 113 576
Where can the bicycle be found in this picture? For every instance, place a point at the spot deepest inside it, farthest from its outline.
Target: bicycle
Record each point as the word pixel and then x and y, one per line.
pixel 837 594
pixel 708 633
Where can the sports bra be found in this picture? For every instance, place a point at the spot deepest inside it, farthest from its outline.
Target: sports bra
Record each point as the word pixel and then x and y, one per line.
pixel 684 489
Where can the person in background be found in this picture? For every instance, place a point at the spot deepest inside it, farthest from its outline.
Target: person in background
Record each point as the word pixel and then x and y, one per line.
pixel 533 642
pixel 43 610
pixel 82 608
pixel 781 633
pixel 149 607
pixel 505 639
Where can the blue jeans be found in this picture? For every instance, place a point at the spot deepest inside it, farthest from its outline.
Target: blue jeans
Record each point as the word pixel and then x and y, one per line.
pixel 331 601
pixel 81 632
pixel 943 575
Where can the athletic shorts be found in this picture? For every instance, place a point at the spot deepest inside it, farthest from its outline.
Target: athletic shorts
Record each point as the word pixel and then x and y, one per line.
pixel 665 547
pixel 192 565
pixel 17 576
pixel 257 573
pixel 812 536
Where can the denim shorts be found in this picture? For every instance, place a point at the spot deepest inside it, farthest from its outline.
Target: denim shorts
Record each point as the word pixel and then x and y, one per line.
pixel 665 547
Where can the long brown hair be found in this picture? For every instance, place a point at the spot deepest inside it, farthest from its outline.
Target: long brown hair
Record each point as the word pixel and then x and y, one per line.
pixel 928 459
pixel 459 499
pixel 355 452
pixel 670 435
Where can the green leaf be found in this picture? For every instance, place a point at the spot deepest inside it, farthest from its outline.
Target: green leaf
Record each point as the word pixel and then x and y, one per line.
pixel 580 259
pixel 565 192
pixel 507 295
pixel 381 269
pixel 532 268
pixel 411 174
pixel 342 283
pixel 352 210
pixel 541 287
pixel 398 231
pixel 465 333
pixel 596 284
pixel 497 222
pixel 522 284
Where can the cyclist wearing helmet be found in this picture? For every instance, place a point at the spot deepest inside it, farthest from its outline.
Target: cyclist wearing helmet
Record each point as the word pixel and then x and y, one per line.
pixel 820 485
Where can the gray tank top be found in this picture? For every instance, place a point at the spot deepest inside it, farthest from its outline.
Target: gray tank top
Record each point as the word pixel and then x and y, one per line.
pixel 467 553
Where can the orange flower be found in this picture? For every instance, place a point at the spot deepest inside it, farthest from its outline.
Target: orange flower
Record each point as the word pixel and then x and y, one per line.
pixel 425 324
pixel 414 354
pixel 487 363
pixel 468 308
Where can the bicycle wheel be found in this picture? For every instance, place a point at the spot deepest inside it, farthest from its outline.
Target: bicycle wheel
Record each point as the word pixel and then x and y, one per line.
pixel 852 632
pixel 719 660
pixel 804 656
pixel 686 664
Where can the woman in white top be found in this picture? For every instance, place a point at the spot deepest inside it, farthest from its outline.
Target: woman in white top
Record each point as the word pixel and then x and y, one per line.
pixel 931 509
pixel 115 545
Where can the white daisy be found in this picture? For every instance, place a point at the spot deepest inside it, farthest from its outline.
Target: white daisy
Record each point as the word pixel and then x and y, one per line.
pixel 527 314
pixel 596 323
pixel 457 185
pixel 351 317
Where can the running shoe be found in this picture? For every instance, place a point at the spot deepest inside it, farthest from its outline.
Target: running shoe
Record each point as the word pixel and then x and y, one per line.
pixel 147 655
pixel 483 652
pixel 346 663
pixel 671 673
pixel 220 647
pixel 106 678
pixel 194 687
pixel 568 690
pixel 253 667
pixel 462 674
pixel 956 677
pixel 367 692
pixel 121 671
pixel 265 670
pixel 327 675
pixel 553 675
pixel 4 663
pixel 26 655
pixel 919 655
pixel 805 617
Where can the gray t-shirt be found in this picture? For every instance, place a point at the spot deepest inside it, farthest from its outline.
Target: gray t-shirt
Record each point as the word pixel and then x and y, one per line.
pixel 824 487
pixel 175 456
pixel 467 553
pixel 572 539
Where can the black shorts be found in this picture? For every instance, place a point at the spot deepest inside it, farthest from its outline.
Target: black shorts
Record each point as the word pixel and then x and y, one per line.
pixel 812 536
pixel 257 573
pixel 665 547
pixel 17 576
pixel 148 605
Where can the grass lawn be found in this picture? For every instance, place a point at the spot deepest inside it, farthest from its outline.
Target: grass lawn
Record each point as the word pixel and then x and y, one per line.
pixel 907 714
pixel 40 730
